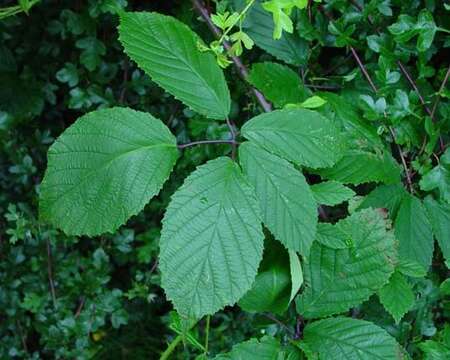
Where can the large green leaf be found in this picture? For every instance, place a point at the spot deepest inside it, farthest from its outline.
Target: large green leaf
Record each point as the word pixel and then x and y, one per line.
pixel 267 348
pixel 258 24
pixel 413 231
pixel 302 136
pixel 357 167
pixel 211 241
pixel 337 279
pixel 439 216
pixel 397 296
pixel 167 50
pixel 331 193
pixel 287 204
pixel 279 83
pixel 350 339
pixel 104 168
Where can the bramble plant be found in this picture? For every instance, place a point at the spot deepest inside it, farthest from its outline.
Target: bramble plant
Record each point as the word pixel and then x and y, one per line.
pixel 253 228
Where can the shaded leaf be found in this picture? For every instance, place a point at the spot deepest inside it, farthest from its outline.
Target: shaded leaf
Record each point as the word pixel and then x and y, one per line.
pixel 331 193
pixel 397 296
pixel 279 83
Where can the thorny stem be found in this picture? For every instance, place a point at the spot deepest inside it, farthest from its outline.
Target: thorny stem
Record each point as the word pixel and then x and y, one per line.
pixel 224 35
pixel 208 319
pixel 280 323
pixel 23 338
pixel 391 130
pixel 50 274
pixel 411 81
pixel 206 142
pixel 241 68
pixel 233 138
pixel 444 83
pixel 165 355
pixel 416 89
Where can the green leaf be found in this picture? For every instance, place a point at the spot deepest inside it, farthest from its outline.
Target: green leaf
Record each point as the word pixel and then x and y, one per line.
pixel 211 240
pixel 271 289
pixel 439 216
pixel 166 49
pixel 313 102
pixel 332 236
pixel 258 24
pixel 267 348
pixel 385 196
pixel 282 21
pixel 338 279
pixel 439 178
pixel 406 28
pixel 358 167
pixel 68 74
pixel 302 136
pixel 105 168
pixel 413 231
pixel 331 193
pixel 279 83
pixel 296 274
pixel 397 296
pixel 93 50
pixel 434 350
pixel 350 339
pixel 359 131
pixel 287 204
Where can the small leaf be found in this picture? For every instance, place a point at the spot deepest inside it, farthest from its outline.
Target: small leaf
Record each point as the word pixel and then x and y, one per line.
pixel 331 193
pixel 332 236
pixel 313 102
pixel 296 274
pixel 259 25
pixel 279 83
pixel 413 231
pixel 93 50
pixel 397 296
pixel 68 74
pixel 105 168
pixel 211 240
pixel 287 204
pixel 167 50
pixel 350 339
pixel 302 136
pixel 439 178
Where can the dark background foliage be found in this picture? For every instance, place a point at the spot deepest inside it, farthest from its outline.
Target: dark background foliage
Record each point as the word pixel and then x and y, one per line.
pixel 67 297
